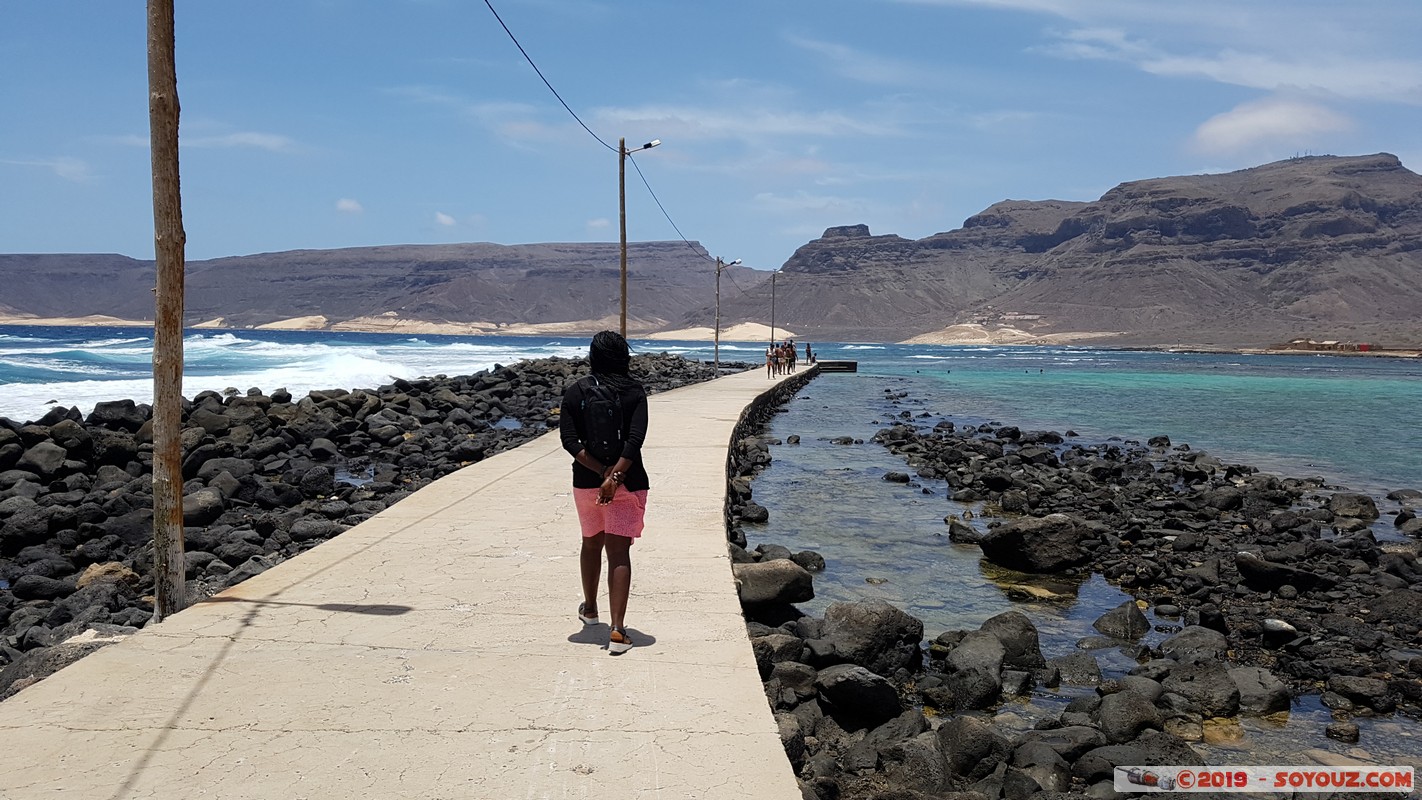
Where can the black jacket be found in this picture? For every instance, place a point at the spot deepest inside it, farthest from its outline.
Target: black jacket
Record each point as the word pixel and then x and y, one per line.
pixel 571 427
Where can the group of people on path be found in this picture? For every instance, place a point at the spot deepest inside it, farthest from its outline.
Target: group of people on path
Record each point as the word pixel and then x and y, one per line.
pixel 782 358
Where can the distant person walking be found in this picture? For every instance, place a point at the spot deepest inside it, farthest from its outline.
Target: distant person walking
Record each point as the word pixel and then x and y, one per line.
pixel 602 424
pixel 809 356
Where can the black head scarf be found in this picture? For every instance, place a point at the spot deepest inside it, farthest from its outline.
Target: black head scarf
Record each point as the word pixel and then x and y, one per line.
pixel 611 358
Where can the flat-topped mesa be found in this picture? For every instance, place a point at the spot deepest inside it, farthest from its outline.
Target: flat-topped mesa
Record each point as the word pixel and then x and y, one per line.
pixel 848 247
pixel 846 231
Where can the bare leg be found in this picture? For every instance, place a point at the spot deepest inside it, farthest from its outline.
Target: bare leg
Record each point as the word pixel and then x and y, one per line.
pixel 590 563
pixel 619 575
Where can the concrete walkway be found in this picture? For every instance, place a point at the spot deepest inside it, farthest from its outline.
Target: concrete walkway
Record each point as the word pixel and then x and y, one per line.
pixel 433 652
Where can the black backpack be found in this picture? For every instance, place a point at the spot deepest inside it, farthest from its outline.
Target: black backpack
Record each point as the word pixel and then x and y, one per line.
pixel 602 418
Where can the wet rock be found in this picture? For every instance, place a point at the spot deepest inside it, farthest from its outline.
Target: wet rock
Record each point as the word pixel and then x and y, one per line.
pixel 771 552
pixel 1262 575
pixel 1070 742
pixel 810 560
pixel 1260 692
pixel 873 634
pixel 1352 504
pixel 778 581
pixel 1035 544
pixel 1343 731
pixel 752 511
pixel 1208 685
pixel 1195 643
pixel 1077 669
pixel 1125 621
pixel 1125 714
pixel 1021 644
pixel 977 650
pixel 1369 692
pixel 960 532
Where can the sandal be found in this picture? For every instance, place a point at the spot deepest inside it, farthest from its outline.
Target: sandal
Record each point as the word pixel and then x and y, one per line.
pixel 619 641
pixel 586 619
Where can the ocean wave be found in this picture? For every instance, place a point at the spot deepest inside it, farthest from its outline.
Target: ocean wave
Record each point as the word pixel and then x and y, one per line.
pixel 936 358
pixel 864 347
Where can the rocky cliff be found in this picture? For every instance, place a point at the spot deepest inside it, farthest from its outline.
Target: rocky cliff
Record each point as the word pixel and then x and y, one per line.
pixel 1324 246
pixel 535 283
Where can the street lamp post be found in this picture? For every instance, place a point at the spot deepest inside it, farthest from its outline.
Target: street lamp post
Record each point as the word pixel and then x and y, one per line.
pixel 772 307
pixel 622 154
pixel 720 265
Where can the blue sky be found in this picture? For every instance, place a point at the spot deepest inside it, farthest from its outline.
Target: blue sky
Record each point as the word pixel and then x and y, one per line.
pixel 338 123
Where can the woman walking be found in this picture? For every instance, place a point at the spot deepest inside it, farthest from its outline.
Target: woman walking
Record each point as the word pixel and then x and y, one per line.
pixel 603 423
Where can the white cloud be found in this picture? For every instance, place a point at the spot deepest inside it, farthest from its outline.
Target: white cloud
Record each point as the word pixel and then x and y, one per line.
pixel 444 219
pixel 802 202
pixel 273 142
pixel 697 123
pixel 66 167
pixel 1317 46
pixel 601 223
pixel 860 66
pixel 1274 122
pixel 349 206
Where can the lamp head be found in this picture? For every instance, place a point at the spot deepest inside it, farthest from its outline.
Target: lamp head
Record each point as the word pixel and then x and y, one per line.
pixel 651 144
pixel 733 263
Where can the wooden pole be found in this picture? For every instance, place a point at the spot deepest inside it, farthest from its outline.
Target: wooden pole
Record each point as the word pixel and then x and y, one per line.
pixel 622 221
pixel 168 243
pixel 772 306
pixel 718 316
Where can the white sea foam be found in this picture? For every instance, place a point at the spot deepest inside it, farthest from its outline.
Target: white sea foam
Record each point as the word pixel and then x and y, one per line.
pixel 215 362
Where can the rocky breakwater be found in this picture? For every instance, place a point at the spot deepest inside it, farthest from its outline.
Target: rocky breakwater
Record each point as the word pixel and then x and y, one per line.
pixel 770 579
pixel 1265 588
pixel 267 476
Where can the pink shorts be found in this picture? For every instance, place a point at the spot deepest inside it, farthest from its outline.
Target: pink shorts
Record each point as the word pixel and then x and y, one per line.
pixel 621 517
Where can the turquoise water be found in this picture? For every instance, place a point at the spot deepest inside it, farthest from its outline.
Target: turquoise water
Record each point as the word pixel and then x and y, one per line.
pixel 1349 420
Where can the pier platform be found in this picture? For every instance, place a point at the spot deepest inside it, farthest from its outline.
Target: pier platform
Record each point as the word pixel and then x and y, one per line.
pixel 434 652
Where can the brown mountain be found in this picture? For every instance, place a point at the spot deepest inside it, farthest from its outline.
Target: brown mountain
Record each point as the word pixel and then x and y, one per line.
pixel 1324 247
pixel 1327 247
pixel 505 284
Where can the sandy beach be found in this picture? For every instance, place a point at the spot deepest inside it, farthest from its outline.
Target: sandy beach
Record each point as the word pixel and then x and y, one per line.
pixel 962 334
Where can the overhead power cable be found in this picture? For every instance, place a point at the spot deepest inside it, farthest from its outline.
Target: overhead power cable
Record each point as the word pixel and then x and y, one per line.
pixel 599 139
pixel 664 211
pixel 545 80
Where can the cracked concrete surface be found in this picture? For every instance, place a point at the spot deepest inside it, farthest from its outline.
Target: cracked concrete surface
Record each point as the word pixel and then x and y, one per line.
pixel 433 652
